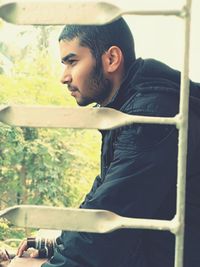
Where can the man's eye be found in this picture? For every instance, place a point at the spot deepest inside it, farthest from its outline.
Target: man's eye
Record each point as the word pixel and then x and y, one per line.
pixel 72 61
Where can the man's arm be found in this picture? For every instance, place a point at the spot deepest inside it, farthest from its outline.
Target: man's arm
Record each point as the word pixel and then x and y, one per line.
pixel 138 182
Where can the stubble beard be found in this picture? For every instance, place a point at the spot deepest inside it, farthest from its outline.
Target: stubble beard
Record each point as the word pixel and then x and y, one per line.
pixel 100 86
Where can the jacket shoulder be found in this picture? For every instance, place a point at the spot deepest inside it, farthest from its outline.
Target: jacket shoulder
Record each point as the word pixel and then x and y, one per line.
pixel 150 101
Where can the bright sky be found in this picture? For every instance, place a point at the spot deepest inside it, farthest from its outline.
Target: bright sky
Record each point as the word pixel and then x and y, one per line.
pixel 158 37
pixel 162 37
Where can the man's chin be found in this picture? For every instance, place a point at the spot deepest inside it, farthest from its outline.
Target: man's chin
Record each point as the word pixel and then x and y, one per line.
pixel 83 103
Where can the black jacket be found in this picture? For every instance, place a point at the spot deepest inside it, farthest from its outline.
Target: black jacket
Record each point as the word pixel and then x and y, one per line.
pixel 138 178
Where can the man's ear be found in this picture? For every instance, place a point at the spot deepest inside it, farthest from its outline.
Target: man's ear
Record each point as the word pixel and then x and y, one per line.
pixel 112 59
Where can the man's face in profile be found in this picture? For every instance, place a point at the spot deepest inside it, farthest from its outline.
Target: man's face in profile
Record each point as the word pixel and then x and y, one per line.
pixel 85 80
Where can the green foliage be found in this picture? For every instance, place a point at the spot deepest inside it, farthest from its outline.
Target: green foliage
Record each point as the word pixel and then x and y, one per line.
pixel 42 166
pixel 33 169
pixel 9 232
pixel 4 229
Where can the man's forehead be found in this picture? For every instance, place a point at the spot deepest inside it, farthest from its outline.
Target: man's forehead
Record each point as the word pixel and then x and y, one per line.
pixel 69 44
pixel 71 47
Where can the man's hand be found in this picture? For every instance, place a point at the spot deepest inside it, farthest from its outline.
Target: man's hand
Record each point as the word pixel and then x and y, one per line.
pixel 23 247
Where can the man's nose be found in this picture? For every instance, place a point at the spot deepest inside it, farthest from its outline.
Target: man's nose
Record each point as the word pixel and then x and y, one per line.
pixel 66 78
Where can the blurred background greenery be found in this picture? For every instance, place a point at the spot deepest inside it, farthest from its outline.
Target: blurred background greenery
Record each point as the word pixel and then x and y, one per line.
pixel 40 166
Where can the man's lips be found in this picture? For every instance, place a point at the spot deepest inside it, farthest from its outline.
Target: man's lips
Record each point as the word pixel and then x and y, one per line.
pixel 72 90
pixel 73 93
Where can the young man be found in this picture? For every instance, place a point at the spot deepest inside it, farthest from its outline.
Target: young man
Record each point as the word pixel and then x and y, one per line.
pixel 138 162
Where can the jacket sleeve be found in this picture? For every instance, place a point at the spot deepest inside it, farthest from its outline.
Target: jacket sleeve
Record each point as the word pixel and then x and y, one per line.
pixel 137 183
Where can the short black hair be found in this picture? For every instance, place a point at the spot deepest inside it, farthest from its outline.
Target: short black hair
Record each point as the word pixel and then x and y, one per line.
pixel 99 38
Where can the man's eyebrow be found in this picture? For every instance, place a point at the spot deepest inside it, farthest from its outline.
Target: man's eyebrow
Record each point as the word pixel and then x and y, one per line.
pixel 67 57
